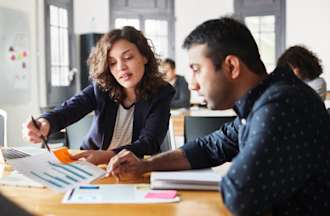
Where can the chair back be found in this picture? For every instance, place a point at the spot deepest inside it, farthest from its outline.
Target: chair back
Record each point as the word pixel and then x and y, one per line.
pixel 200 126
pixel 77 131
pixel 3 128
pixel 169 140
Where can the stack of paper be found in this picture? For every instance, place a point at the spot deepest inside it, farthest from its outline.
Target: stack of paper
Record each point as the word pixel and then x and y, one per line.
pixel 205 179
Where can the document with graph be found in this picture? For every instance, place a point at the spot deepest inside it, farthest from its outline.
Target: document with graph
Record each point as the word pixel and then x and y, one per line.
pixel 49 170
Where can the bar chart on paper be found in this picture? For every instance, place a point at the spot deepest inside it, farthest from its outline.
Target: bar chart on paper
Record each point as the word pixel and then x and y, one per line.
pixel 49 171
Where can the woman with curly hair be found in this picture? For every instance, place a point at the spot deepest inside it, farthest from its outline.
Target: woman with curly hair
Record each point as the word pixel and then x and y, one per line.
pixel 130 100
pixel 306 66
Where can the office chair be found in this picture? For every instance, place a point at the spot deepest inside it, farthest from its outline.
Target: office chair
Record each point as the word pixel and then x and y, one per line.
pixel 77 131
pixel 199 126
pixel 169 140
pixel 3 128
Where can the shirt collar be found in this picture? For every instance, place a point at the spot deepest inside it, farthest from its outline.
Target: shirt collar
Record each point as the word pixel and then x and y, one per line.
pixel 244 104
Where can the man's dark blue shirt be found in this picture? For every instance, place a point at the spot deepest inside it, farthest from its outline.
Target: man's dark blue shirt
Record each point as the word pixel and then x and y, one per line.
pixel 279 146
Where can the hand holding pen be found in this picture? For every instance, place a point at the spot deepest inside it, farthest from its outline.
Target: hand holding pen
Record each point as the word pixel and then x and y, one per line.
pixel 44 140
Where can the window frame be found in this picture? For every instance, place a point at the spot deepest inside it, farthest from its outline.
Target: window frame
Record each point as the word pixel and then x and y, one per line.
pixel 277 8
pixel 57 94
pixel 122 9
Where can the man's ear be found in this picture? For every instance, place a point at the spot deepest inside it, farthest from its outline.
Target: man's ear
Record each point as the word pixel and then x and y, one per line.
pixel 233 66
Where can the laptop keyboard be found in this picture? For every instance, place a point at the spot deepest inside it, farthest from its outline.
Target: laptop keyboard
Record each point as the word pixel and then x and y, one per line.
pixel 10 153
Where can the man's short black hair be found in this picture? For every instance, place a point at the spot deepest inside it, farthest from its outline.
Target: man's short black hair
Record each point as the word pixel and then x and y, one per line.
pixel 305 60
pixel 171 62
pixel 227 36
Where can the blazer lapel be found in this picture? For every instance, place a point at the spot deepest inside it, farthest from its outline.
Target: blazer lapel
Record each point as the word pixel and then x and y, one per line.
pixel 138 122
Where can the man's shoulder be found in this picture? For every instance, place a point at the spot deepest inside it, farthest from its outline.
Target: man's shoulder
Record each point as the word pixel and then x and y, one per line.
pixel 180 78
pixel 284 92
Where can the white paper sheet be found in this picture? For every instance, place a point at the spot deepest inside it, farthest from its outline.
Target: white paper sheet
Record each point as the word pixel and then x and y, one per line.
pixel 47 170
pixel 18 180
pixel 113 193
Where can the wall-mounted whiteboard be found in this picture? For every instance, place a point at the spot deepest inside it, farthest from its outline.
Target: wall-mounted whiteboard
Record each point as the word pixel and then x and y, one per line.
pixel 15 57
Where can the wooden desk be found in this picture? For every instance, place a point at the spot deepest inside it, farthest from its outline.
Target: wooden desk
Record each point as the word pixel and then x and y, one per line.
pixel 47 202
pixel 178 124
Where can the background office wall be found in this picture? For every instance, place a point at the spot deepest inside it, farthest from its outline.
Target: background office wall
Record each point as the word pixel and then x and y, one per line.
pixel 307 23
pixel 19 113
pixel 91 16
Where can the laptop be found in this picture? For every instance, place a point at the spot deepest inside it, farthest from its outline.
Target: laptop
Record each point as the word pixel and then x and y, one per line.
pixel 13 153
pixel 9 153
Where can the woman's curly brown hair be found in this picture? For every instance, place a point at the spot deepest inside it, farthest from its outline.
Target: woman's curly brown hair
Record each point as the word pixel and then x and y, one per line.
pixel 100 71
pixel 305 60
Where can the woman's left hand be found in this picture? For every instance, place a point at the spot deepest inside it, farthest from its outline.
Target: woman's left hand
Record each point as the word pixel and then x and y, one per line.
pixel 95 156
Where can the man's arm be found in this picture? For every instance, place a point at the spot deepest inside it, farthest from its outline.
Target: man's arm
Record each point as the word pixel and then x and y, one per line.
pixel 211 150
pixel 126 163
pixel 272 164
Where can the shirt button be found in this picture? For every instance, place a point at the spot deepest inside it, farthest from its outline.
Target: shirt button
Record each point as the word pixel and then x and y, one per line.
pixel 243 121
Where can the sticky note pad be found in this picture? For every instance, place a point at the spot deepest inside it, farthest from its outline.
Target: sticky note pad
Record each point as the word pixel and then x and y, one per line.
pixel 166 194
pixel 63 155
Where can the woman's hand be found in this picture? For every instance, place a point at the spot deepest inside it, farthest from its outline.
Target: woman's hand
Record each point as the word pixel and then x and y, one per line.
pixel 33 134
pixel 95 156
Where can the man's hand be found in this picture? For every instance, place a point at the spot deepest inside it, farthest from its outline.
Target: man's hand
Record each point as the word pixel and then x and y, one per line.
pixel 95 156
pixel 126 164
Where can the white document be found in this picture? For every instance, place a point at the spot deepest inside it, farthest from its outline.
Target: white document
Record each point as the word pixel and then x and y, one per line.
pixel 18 180
pixel 113 193
pixel 49 171
pixel 205 179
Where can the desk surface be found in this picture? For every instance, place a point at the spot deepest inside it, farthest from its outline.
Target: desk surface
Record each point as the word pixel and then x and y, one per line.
pixel 47 202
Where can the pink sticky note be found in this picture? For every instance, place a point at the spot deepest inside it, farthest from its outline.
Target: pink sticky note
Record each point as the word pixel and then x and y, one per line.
pixel 166 194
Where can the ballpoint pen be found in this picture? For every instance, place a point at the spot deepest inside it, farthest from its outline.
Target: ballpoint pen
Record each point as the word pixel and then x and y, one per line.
pixel 44 140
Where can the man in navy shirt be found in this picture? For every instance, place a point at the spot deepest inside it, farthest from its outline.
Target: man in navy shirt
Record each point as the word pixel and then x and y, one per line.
pixel 278 144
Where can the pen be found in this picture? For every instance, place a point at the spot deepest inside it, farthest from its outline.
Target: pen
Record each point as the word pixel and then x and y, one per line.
pixel 89 187
pixel 44 141
pixel 71 193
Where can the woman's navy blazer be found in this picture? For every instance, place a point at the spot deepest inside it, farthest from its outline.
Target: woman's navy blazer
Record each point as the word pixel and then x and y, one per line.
pixel 150 124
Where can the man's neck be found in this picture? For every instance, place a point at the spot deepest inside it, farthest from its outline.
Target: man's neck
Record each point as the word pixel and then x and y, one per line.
pixel 250 81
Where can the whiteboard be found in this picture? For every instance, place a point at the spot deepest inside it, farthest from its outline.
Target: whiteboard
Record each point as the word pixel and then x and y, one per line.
pixel 15 57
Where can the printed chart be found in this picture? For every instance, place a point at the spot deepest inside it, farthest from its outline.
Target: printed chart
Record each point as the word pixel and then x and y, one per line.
pixel 47 170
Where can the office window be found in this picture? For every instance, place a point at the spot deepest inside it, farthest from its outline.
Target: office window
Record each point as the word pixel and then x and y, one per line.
pixel 60 51
pixel 155 18
pixel 59 43
pixel 263 31
pixel 266 21
pixel 157 32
